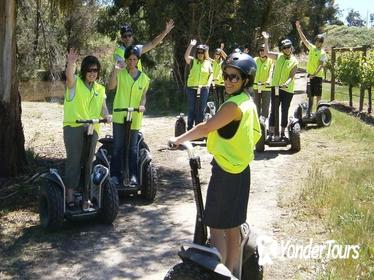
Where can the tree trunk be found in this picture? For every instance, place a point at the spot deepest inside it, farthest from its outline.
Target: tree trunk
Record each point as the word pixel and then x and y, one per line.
pixel 369 100
pixel 350 89
pixel 12 150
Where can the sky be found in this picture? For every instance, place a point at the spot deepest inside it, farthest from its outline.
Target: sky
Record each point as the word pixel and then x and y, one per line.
pixel 362 6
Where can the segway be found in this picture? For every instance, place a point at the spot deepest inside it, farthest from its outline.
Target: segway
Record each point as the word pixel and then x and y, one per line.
pixel 210 110
pixel 293 129
pixel 199 259
pixel 146 173
pixel 321 118
pixel 94 185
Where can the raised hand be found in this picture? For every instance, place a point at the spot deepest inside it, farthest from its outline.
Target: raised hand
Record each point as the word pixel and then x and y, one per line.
pixel 72 56
pixel 120 64
pixel 193 42
pixel 222 46
pixel 265 35
pixel 297 24
pixel 169 25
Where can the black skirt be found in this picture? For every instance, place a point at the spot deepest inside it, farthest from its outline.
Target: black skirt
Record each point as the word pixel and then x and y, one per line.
pixel 227 198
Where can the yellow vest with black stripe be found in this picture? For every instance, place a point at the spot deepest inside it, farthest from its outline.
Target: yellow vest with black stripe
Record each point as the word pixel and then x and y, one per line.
pixel 282 70
pixel 234 155
pixel 262 72
pixel 314 60
pixel 129 94
pixel 199 73
pixel 217 73
pixel 86 104
pixel 119 53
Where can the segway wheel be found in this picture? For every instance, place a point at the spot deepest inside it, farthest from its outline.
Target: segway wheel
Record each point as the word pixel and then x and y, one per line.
pixel 323 117
pixel 148 191
pixel 180 126
pixel 188 271
pixel 251 270
pixel 260 145
pixel 110 202
pixel 295 137
pixel 51 206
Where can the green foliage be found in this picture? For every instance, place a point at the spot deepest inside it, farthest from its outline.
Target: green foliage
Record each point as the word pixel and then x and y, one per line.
pixel 345 36
pixel 348 67
pixel 367 69
pixel 354 19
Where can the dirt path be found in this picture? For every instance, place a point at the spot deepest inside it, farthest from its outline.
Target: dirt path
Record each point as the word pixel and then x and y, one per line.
pixel 144 240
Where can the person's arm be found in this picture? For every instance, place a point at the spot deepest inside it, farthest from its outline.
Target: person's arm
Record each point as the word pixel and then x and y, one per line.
pixel 72 58
pixel 223 53
pixel 290 77
pixel 143 101
pixel 112 83
pixel 271 55
pixel 187 56
pixel 224 116
pixel 105 113
pixel 151 45
pixel 322 63
pixel 210 79
pixel 302 36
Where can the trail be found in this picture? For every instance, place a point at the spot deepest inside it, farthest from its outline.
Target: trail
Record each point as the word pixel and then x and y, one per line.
pixel 144 240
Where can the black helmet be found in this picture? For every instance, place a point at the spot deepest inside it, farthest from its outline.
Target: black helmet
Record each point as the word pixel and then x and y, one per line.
pixel 243 62
pixel 285 43
pixel 319 38
pixel 126 28
pixel 202 47
pixel 132 50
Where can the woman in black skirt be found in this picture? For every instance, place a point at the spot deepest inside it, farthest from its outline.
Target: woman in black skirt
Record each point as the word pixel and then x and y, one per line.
pixel 232 134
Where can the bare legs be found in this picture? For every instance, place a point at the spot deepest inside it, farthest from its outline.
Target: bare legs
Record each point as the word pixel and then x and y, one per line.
pixel 227 241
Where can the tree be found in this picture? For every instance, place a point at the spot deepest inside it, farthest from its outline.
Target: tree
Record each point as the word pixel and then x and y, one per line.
pixel 12 151
pixel 354 19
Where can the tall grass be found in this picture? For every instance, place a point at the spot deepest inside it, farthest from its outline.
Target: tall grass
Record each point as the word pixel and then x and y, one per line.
pixel 340 189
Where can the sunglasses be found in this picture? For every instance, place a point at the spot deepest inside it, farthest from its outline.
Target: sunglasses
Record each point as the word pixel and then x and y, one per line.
pixel 232 77
pixel 93 70
pixel 200 52
pixel 286 47
pixel 126 35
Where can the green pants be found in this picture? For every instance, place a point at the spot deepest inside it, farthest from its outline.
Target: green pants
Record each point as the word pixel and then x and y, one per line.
pixel 75 142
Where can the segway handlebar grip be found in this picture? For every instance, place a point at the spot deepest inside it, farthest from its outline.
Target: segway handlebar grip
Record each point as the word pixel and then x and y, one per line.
pixel 126 109
pixel 92 121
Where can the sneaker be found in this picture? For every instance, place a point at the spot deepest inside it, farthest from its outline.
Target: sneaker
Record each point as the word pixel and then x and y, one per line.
pixel 115 181
pixel 269 138
pixel 133 181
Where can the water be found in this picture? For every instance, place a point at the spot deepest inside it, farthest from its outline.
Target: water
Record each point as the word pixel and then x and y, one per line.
pixel 42 91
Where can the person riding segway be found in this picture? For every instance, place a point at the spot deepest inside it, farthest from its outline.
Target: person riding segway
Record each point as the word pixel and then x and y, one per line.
pixel 233 127
pixel 315 70
pixel 282 94
pixel 131 167
pixel 198 83
pixel 88 192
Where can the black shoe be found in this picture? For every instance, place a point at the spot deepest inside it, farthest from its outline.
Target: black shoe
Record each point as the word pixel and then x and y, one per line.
pixel 133 180
pixel 283 136
pixel 72 207
pixel 269 138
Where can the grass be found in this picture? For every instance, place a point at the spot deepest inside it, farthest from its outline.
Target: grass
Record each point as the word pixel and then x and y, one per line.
pixel 341 94
pixel 340 189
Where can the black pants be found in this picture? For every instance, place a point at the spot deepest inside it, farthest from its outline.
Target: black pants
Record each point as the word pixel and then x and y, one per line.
pixel 316 86
pixel 285 99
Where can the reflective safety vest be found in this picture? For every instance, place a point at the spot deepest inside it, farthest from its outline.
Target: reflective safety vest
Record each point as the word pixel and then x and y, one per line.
pixel 315 57
pixel 85 105
pixel 217 73
pixel 119 54
pixel 234 155
pixel 282 72
pixel 129 94
pixel 262 72
pixel 199 73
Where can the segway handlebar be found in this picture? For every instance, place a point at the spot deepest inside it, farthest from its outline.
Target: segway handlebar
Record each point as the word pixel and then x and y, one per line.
pixel 92 121
pixel 130 109
pixel 187 145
